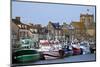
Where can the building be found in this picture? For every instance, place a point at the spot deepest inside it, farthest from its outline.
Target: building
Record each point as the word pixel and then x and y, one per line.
pixel 37 32
pixel 88 20
pixel 54 31
pixel 79 31
pixel 14 34
pixel 43 33
pixel 65 31
pixel 33 32
pixel 22 28
pixel 83 29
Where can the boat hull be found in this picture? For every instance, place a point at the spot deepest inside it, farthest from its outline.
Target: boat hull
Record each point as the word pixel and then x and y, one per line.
pixel 51 54
pixel 28 58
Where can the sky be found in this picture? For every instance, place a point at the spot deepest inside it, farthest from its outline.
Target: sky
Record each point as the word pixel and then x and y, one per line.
pixel 42 13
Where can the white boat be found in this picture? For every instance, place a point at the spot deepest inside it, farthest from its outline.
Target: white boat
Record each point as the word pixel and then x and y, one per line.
pixel 85 47
pixel 51 55
pixel 50 51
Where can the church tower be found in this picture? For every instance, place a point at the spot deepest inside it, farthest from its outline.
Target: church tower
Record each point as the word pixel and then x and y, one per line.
pixel 87 19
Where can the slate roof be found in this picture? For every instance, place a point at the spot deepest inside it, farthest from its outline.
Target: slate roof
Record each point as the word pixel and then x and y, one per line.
pixel 55 25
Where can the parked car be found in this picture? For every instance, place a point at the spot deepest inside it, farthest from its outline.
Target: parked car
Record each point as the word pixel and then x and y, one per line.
pixel 26 55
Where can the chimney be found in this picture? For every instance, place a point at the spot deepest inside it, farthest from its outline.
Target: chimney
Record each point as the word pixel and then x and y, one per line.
pixel 18 18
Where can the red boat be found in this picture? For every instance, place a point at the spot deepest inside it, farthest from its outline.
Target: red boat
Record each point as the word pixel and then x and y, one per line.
pixel 76 51
pixel 76 48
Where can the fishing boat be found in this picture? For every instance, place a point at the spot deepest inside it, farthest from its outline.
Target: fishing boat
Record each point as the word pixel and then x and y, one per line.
pixel 27 52
pixel 76 48
pixel 26 55
pixel 51 50
pixel 84 45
